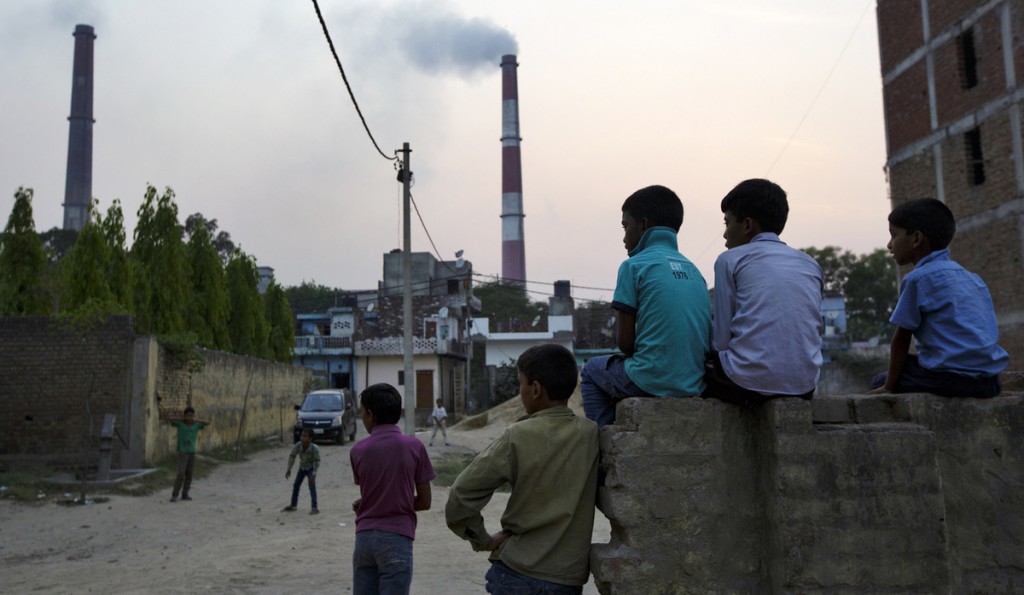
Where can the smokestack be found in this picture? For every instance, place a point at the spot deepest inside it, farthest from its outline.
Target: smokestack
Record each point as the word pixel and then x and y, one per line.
pixel 513 246
pixel 78 187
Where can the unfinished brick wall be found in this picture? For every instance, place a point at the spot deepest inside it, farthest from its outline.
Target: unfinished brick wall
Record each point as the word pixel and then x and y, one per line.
pixel 58 381
pixel 853 494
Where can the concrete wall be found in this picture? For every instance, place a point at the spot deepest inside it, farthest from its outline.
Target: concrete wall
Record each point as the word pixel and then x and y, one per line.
pixel 846 494
pixel 242 397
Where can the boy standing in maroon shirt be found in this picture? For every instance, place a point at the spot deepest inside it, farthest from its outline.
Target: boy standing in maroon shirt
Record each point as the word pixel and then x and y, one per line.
pixel 393 473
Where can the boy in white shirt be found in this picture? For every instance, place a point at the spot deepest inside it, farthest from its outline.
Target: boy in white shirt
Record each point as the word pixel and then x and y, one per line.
pixel 439 418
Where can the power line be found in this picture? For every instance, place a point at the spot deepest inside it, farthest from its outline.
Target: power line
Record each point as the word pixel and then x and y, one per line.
pixel 347 86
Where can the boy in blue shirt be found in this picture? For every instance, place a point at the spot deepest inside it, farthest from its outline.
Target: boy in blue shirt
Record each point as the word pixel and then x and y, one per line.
pixel 767 324
pixel 947 308
pixel 664 313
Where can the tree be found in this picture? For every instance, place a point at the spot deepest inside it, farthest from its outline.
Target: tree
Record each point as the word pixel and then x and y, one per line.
pixel 282 327
pixel 119 266
pixel 508 306
pixel 312 297
pixel 221 240
pixel 871 294
pixel 835 264
pixel 57 242
pixel 22 262
pixel 162 290
pixel 247 322
pixel 85 269
pixel 868 282
pixel 208 319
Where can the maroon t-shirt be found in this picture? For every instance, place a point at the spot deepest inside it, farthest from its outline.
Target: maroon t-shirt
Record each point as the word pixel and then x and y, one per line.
pixel 387 465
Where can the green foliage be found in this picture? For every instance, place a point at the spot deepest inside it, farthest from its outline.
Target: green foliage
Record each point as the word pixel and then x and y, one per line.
pixel 209 318
pixel 57 242
pixel 162 293
pixel 85 268
pixel 867 281
pixel 22 262
pixel 247 322
pixel 221 240
pixel 508 307
pixel 119 266
pixel 310 297
pixel 282 327
pixel 871 293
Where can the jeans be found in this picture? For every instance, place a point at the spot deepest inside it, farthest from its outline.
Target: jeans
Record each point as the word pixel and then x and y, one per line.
pixel 502 580
pixel 381 563
pixel 603 383
pixel 303 474
pixel 916 379
pixel 183 481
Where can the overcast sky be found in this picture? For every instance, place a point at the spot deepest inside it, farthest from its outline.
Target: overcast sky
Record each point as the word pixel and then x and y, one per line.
pixel 238 106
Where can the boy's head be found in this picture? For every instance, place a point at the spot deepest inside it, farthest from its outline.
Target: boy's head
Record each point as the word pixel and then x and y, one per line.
pixel 918 227
pixel 189 414
pixel 306 437
pixel 547 376
pixel 650 207
pixel 439 402
pixel 752 207
pixel 380 404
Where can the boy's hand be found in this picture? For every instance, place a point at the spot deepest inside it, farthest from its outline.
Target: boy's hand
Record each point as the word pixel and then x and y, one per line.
pixel 287 474
pixel 879 391
pixel 356 503
pixel 496 540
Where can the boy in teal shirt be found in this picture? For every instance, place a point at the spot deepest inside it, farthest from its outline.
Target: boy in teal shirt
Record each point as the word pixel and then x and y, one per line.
pixel 663 313
pixel 188 431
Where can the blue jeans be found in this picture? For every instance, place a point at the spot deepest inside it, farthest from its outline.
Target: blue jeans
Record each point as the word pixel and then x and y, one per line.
pixel 502 580
pixel 381 563
pixel 303 474
pixel 603 383
pixel 917 379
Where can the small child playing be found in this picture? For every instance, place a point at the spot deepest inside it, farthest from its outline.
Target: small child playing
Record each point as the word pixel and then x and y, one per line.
pixel 439 418
pixel 947 308
pixel 550 459
pixel 309 464
pixel 393 473
pixel 663 313
pixel 188 431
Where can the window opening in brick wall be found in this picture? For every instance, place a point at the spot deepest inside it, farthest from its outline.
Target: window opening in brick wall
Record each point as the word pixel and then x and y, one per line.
pixel 968 60
pixel 975 159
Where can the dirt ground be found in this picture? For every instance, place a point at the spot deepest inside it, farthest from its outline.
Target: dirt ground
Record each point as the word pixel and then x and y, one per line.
pixel 232 538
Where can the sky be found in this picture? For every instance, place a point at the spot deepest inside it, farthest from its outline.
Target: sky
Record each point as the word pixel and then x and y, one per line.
pixel 239 107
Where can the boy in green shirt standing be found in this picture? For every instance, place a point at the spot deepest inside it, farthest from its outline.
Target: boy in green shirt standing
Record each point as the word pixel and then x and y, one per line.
pixel 550 459
pixel 309 464
pixel 188 431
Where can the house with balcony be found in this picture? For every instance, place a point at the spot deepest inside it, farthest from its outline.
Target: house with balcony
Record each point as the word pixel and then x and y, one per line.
pixel 324 343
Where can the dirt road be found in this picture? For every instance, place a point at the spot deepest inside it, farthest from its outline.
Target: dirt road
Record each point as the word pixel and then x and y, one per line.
pixel 232 538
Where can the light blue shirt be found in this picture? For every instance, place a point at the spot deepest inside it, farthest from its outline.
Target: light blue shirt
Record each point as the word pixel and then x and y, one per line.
pixel 669 298
pixel 768 326
pixel 950 312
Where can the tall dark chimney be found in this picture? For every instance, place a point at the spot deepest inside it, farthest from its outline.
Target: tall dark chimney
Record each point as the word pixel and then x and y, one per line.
pixel 78 187
pixel 513 246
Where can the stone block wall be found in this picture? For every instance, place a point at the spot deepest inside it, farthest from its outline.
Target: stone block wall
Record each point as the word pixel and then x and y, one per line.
pixel 846 494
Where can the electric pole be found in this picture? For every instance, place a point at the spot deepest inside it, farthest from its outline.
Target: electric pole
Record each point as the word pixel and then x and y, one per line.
pixel 409 374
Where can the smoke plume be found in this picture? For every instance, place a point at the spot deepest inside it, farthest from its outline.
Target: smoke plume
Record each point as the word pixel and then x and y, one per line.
pixel 448 43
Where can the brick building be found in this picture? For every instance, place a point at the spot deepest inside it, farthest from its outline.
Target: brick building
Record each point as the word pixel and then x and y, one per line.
pixel 951 72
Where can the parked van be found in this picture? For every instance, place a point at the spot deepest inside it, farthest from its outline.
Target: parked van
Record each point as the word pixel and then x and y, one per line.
pixel 330 414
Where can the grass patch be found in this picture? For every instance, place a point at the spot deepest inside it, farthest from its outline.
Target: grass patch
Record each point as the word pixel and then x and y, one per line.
pixel 449 468
pixel 25 485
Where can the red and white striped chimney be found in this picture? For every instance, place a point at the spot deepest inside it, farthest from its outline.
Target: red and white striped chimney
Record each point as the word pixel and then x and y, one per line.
pixel 513 246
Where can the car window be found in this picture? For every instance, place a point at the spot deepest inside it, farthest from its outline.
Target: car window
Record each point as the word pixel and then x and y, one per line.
pixel 322 403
